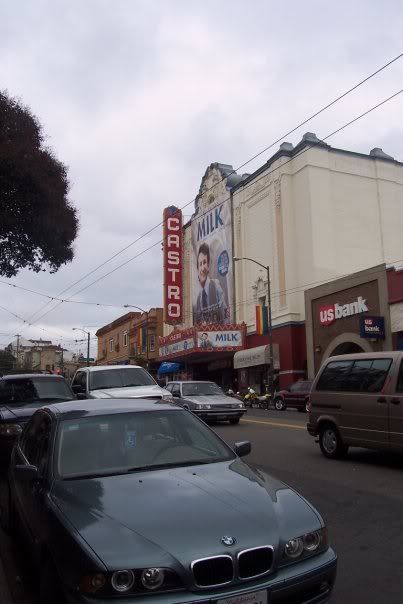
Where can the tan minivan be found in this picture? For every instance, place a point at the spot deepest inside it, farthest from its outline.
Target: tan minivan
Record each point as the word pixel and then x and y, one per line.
pixel 357 400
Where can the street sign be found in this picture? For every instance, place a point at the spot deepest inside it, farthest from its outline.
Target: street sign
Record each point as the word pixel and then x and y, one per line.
pixel 372 327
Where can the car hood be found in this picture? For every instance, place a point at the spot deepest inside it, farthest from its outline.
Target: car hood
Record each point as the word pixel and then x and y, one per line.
pixel 173 516
pixel 131 392
pixel 218 400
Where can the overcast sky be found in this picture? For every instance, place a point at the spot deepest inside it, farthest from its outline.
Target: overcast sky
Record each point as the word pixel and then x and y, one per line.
pixel 138 97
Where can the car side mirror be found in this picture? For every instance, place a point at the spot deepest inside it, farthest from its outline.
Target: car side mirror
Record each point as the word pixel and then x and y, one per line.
pixel 26 473
pixel 81 396
pixel 77 389
pixel 243 448
pixel 176 394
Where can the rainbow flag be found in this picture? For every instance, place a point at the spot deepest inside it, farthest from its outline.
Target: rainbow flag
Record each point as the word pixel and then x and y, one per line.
pixel 262 320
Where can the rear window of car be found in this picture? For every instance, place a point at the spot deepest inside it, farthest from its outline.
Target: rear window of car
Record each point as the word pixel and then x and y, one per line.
pixel 31 390
pixel 361 375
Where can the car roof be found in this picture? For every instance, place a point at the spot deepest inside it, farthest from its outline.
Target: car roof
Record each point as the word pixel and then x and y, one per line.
pixel 109 367
pixel 191 382
pixel 95 407
pixel 392 354
pixel 24 376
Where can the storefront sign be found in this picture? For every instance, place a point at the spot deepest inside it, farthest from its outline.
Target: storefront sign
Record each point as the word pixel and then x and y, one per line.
pixel 225 340
pixel 173 287
pixel 330 313
pixel 253 357
pixel 181 346
pixel 212 274
pixel 372 327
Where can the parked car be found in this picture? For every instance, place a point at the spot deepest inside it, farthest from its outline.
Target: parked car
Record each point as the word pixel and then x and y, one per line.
pixel 147 504
pixel 207 400
pixel 296 395
pixel 357 400
pixel 117 381
pixel 20 396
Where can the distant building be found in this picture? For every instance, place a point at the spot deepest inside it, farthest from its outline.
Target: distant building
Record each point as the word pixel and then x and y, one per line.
pixel 131 339
pixel 42 355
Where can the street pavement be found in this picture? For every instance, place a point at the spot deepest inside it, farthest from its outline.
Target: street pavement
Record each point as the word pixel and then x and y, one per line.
pixel 360 498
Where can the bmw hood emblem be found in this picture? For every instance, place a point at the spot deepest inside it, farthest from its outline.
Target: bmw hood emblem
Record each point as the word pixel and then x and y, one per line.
pixel 226 540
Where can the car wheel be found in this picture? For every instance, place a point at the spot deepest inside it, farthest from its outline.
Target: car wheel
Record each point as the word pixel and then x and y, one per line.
pixel 234 420
pixel 50 590
pixel 279 404
pixel 330 442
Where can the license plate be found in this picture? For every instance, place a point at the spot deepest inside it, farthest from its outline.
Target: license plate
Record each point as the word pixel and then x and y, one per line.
pixel 257 597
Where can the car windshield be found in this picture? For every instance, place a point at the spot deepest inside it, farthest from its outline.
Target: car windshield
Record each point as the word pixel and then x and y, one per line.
pixel 23 391
pixel 122 377
pixel 133 442
pixel 201 389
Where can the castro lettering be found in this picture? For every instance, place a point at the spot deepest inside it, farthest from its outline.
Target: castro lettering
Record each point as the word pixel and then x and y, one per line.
pixel 173 288
pixel 330 313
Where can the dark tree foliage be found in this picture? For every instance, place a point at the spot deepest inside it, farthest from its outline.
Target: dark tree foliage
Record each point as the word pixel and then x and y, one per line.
pixel 38 224
pixel 6 361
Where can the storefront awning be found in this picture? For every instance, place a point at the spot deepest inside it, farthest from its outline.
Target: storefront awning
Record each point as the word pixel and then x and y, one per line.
pixel 169 368
pixel 256 356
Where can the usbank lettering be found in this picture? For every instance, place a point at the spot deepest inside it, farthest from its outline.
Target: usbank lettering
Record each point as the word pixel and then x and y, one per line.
pixel 329 314
pixel 209 223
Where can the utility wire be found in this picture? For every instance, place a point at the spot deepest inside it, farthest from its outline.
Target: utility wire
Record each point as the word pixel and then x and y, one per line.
pixel 303 123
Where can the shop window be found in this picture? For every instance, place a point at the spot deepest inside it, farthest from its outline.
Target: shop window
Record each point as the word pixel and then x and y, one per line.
pixel 152 343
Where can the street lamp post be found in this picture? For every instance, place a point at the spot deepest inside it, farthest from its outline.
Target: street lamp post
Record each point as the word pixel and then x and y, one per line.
pixel 146 314
pixel 271 370
pixel 88 342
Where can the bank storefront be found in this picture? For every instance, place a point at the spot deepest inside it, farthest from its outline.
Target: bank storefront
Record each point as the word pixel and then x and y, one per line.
pixel 348 315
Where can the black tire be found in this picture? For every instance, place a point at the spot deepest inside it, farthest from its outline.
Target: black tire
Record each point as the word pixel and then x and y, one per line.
pixel 50 589
pixel 279 404
pixel 302 409
pixel 331 443
pixel 234 420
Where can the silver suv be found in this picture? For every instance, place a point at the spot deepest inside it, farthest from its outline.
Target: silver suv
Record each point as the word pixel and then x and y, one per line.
pixel 117 381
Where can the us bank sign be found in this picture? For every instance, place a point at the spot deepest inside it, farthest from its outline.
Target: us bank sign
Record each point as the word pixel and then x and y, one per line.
pixel 332 312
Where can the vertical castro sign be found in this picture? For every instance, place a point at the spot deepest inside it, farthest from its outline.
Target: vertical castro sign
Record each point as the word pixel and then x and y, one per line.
pixel 173 284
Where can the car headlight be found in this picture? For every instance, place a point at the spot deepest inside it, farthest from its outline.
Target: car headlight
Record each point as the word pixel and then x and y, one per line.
pixel 168 398
pixel 127 581
pixel 203 406
pixel 10 430
pixel 122 580
pixel 152 578
pixel 306 544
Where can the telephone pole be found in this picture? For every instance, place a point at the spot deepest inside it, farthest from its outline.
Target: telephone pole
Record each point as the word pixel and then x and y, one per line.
pixel 18 335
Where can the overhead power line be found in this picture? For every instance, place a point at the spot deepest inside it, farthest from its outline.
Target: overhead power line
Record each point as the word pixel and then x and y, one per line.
pixel 294 129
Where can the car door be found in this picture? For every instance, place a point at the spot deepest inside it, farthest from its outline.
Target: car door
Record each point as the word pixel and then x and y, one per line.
pixel 176 391
pixel 30 495
pixel 294 395
pixel 79 384
pixel 396 411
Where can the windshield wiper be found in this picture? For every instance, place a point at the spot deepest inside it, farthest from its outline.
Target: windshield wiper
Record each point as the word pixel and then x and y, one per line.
pixel 181 464
pixel 106 387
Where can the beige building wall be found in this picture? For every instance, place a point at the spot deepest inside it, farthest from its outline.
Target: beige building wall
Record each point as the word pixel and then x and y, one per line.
pixel 325 214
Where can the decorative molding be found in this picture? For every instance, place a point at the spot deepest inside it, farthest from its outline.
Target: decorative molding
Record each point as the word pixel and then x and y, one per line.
pixel 277 192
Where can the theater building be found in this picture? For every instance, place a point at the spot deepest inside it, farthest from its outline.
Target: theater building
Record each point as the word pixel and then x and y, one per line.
pixel 313 214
